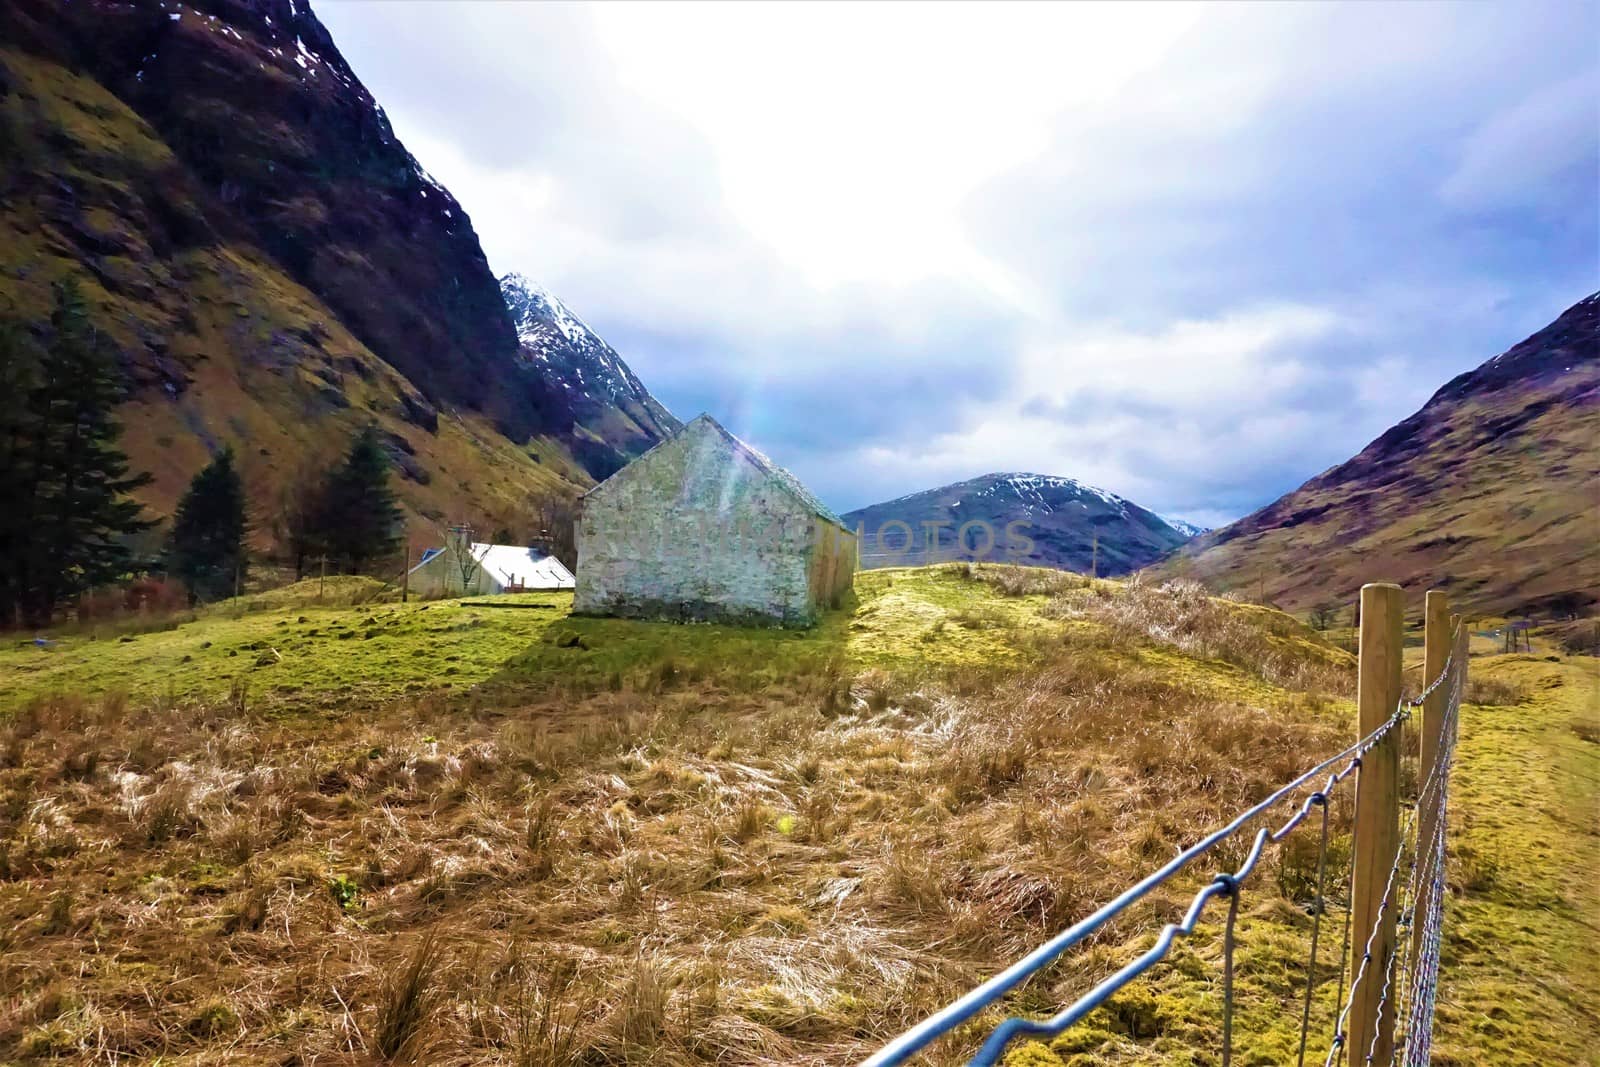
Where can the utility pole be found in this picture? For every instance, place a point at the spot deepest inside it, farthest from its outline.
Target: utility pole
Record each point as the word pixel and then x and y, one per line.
pixel 1094 558
pixel 405 576
pixel 322 579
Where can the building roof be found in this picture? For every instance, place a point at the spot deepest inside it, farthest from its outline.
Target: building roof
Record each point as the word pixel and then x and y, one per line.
pixel 789 481
pixel 519 563
pixel 508 564
pixel 794 485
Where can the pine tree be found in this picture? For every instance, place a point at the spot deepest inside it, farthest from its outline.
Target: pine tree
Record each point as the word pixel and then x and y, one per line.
pixel 360 521
pixel 19 377
pixel 207 549
pixel 297 516
pixel 73 511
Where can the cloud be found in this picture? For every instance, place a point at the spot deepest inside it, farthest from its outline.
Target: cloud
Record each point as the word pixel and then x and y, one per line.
pixel 1519 152
pixel 1192 254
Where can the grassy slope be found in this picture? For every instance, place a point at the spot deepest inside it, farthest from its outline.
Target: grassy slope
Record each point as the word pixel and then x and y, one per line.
pixel 332 653
pixel 1515 508
pixel 271 368
pixel 1520 985
pixel 678 844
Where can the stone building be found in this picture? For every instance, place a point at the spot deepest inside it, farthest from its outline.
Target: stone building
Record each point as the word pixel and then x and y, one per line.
pixel 704 527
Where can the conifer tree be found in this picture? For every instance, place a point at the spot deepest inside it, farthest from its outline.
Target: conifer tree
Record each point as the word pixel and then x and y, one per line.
pixel 19 376
pixel 72 512
pixel 207 547
pixel 360 521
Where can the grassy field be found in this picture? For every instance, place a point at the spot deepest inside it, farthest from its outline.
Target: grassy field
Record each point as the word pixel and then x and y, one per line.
pixel 448 832
pixel 1520 985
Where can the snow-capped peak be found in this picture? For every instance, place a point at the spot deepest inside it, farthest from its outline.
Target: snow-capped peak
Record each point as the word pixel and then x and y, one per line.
pixel 537 311
pixel 539 304
pixel 569 353
pixel 1033 489
pixel 1188 529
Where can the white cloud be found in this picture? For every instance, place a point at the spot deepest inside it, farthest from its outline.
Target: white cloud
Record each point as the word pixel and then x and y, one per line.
pixel 1511 158
pixel 1191 253
pixel 1129 410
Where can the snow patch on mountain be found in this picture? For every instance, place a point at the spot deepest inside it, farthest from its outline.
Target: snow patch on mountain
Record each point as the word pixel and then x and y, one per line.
pixel 569 353
pixel 1039 489
pixel 1188 529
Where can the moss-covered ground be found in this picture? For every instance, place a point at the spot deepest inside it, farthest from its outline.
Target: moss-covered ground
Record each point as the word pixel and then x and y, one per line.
pixel 309 647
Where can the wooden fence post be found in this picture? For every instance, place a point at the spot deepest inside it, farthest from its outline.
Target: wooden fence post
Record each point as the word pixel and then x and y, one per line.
pixel 1377 829
pixel 1438 647
pixel 1463 629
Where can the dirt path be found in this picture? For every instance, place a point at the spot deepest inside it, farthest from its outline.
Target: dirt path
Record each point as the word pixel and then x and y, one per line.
pixel 1521 978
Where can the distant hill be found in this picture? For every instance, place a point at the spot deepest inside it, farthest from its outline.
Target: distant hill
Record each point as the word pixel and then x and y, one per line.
pixel 274 267
pixel 1491 490
pixel 1032 519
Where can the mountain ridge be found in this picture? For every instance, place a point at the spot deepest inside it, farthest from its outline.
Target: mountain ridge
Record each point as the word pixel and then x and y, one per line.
pixel 604 393
pixel 1034 519
pixel 1483 491
pixel 272 265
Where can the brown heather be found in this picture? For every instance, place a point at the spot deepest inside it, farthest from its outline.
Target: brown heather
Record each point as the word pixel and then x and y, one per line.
pixel 668 873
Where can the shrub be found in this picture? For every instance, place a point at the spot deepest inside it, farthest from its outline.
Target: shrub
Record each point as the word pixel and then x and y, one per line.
pixel 1182 614
pixel 1495 692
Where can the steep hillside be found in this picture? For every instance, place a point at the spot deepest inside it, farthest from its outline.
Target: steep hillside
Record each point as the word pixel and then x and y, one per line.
pixel 1021 518
pixel 585 373
pixel 272 264
pixel 1490 490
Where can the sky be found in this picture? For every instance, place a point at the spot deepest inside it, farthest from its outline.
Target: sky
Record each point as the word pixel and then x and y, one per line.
pixel 1191 254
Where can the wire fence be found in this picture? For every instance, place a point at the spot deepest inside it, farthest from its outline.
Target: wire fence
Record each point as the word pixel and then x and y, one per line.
pixel 1413 899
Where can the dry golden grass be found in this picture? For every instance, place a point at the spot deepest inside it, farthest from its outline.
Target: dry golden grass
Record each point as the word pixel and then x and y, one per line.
pixel 660 875
pixel 1181 614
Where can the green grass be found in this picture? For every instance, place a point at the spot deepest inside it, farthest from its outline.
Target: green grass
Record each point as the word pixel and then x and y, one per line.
pixel 290 656
pixel 1519 981
pixel 291 649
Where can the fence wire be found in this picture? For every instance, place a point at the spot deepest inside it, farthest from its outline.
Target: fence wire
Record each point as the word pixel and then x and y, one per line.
pixel 1414 980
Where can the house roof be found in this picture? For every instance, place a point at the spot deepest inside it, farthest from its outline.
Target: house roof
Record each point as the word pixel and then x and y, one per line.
pixel 789 482
pixel 518 563
pixel 512 563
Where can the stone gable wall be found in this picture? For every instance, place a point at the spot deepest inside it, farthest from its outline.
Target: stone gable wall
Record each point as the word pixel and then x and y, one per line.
pixel 694 530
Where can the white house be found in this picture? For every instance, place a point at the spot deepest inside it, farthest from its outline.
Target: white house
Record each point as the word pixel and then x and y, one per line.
pixel 487 569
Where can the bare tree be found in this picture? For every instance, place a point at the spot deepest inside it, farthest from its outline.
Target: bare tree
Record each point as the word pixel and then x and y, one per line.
pixel 458 544
pixel 554 529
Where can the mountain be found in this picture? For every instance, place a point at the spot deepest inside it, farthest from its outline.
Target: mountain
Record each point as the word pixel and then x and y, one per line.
pixel 604 395
pixel 1033 519
pixel 1490 491
pixel 271 263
